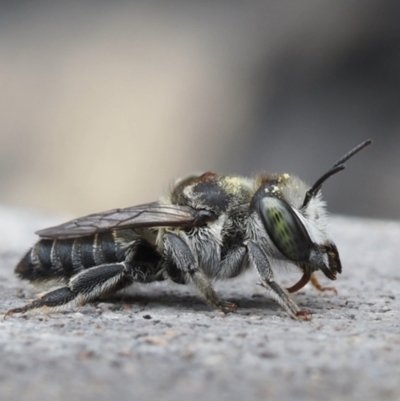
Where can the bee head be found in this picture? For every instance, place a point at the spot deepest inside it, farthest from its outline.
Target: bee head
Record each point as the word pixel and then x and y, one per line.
pixel 301 235
pixel 294 218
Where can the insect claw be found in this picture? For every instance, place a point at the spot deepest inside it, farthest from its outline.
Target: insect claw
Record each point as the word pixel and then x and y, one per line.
pixel 227 307
pixel 13 311
pixel 318 286
pixel 303 315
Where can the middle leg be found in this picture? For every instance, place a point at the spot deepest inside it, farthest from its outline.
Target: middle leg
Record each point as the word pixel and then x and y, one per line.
pixel 177 251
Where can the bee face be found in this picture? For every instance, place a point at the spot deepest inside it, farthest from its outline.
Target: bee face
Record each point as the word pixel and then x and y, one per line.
pixel 293 232
pixel 209 227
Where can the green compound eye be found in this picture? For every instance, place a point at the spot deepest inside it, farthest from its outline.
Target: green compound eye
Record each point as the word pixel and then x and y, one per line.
pixel 285 229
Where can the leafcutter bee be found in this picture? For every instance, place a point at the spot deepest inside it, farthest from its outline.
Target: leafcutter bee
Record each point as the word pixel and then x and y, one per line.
pixel 209 227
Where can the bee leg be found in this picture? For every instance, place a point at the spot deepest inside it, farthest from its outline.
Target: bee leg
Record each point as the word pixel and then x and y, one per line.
pixel 84 286
pixel 300 284
pixel 233 263
pixel 178 252
pixel 258 258
pixel 316 284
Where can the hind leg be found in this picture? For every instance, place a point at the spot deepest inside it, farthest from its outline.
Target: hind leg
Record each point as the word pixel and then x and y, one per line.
pixel 83 287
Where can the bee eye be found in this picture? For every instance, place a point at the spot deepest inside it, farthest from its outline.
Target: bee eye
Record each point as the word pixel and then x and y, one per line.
pixel 285 229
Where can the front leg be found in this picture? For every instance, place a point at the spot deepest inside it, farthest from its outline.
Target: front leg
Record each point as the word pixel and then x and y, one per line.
pixel 317 285
pixel 177 251
pixel 258 258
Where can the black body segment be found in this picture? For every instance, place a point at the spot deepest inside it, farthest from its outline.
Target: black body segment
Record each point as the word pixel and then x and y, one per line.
pixel 61 259
pixel 207 188
pixel 43 250
pixel 87 252
pixel 107 248
pixel 64 255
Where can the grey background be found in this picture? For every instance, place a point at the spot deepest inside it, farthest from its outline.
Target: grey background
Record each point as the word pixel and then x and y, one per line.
pixel 163 343
pixel 104 104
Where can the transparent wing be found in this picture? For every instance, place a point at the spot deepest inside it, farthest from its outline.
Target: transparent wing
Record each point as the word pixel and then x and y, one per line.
pixel 146 215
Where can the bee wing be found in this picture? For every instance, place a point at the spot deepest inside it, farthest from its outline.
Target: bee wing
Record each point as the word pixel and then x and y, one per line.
pixel 147 215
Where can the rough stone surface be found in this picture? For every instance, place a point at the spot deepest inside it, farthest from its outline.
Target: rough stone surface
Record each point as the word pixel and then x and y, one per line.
pixel 164 343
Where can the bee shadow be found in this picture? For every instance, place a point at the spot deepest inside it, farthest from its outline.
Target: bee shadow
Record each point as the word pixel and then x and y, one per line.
pixel 188 302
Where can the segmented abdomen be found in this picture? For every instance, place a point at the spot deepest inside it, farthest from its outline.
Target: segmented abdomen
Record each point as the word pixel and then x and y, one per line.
pixel 61 259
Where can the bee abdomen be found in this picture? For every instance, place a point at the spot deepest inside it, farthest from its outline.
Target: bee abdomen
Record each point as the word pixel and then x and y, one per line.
pixel 61 259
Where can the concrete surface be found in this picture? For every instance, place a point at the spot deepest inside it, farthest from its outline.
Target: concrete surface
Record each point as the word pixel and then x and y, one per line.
pixel 163 343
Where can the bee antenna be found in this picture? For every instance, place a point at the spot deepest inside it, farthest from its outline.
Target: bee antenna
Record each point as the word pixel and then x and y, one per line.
pixel 352 152
pixel 338 166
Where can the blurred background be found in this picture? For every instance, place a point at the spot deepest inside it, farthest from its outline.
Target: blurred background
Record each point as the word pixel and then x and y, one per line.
pixel 104 104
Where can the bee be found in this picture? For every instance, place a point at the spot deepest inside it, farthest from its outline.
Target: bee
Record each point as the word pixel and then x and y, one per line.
pixel 209 227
